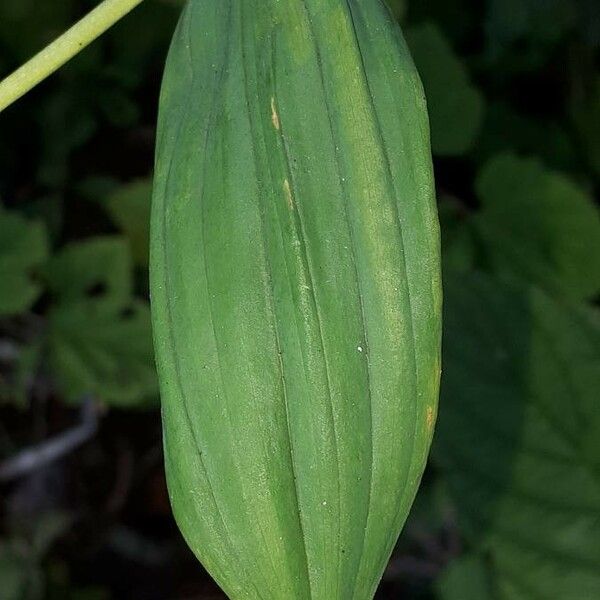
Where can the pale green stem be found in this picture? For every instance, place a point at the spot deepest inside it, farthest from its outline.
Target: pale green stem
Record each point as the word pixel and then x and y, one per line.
pixel 63 49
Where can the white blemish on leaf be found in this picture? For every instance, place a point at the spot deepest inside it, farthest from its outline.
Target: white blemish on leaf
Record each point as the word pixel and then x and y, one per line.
pixel 288 194
pixel 274 115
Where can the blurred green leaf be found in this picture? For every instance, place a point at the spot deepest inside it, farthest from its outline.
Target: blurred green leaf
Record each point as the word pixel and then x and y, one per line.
pixel 589 22
pixel 430 512
pixel 507 19
pixel 65 121
pixel 20 578
pixel 539 225
pixel 16 385
pixel 505 130
pixel 545 20
pixel 28 25
pixel 118 108
pixel 522 37
pixel 398 8
pixel 89 593
pixel 129 207
pixel 586 116
pixel 456 107
pixel 458 242
pixel 49 210
pixel 465 578
pixel 23 553
pixel 519 435
pixel 99 338
pixel 457 19
pixel 97 269
pixel 48 527
pixel 105 354
pixel 23 246
pixel 133 55
pixel 97 187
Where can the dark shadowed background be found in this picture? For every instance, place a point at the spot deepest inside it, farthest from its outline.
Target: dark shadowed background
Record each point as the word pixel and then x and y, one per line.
pixel 510 504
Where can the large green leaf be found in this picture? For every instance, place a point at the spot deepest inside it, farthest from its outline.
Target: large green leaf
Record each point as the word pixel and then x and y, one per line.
pixel 539 225
pixel 519 435
pixel 99 337
pixel 456 107
pixel 23 246
pixel 295 298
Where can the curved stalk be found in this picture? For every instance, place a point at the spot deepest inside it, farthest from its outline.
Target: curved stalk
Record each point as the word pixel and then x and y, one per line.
pixel 63 49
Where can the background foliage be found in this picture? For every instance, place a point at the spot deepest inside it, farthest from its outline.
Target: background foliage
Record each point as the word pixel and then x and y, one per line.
pixel 510 502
